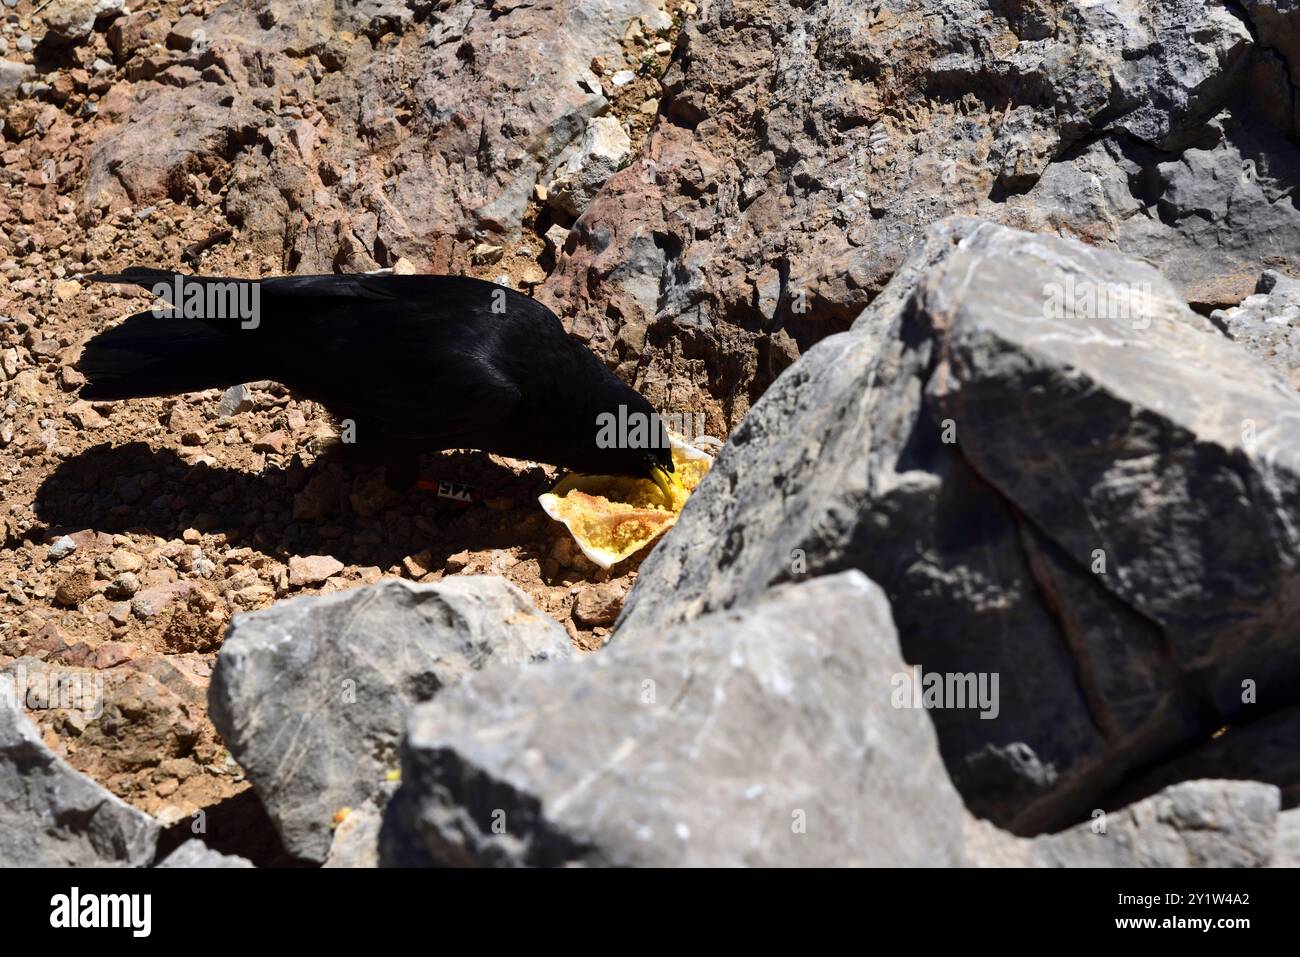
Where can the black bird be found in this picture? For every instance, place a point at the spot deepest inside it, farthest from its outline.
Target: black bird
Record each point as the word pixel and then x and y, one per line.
pixel 418 363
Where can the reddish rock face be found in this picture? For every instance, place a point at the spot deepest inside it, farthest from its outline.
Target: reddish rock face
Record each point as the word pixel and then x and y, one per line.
pixel 356 142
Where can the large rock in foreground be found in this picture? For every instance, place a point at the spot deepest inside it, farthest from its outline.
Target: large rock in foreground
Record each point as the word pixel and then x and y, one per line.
pixel 1063 478
pixel 1192 824
pixel 311 694
pixel 761 737
pixel 53 816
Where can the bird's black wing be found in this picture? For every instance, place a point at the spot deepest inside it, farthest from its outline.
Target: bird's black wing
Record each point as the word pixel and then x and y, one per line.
pixel 421 354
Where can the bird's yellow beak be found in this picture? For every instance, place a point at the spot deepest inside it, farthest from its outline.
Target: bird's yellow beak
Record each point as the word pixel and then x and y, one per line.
pixel 668 483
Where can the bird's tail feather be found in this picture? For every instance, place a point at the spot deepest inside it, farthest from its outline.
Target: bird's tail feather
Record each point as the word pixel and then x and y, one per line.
pixel 135 275
pixel 151 355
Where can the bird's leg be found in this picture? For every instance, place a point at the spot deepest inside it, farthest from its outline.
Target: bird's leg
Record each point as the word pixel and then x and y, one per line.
pixel 456 491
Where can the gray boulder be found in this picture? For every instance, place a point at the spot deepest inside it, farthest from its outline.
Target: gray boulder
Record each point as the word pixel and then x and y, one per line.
pixel 194 853
pixel 310 695
pixel 1192 824
pixel 1060 475
pixel 762 736
pixel 53 816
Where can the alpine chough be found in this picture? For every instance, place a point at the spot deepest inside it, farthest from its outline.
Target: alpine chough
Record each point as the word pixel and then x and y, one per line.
pixel 416 363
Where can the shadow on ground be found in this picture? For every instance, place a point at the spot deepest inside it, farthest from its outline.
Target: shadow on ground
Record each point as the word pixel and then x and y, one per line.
pixel 333 507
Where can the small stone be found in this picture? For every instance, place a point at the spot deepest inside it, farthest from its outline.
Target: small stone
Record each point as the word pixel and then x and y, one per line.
pixel 125 561
pixel 275 442
pixel 83 416
pixel 154 600
pixel 312 569
pixel 110 654
pixel 66 289
pixel 563 552
pixel 598 605
pixel 234 400
pixel 556 237
pixel 650 107
pixel 71 379
pixel 486 253
pixel 457 562
pixel 622 78
pixel 403 267
pixel 124 585
pixel 62 548
pixel 417 566
pixel 663 48
pixel 191 536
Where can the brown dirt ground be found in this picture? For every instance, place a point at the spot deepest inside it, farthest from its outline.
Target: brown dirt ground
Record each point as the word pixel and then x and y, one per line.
pixel 166 497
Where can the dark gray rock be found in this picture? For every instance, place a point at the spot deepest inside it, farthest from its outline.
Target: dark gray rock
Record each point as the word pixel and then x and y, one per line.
pixel 1060 474
pixel 53 816
pixel 194 853
pixel 1267 750
pixel 310 695
pixel 762 736
pixel 1192 824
